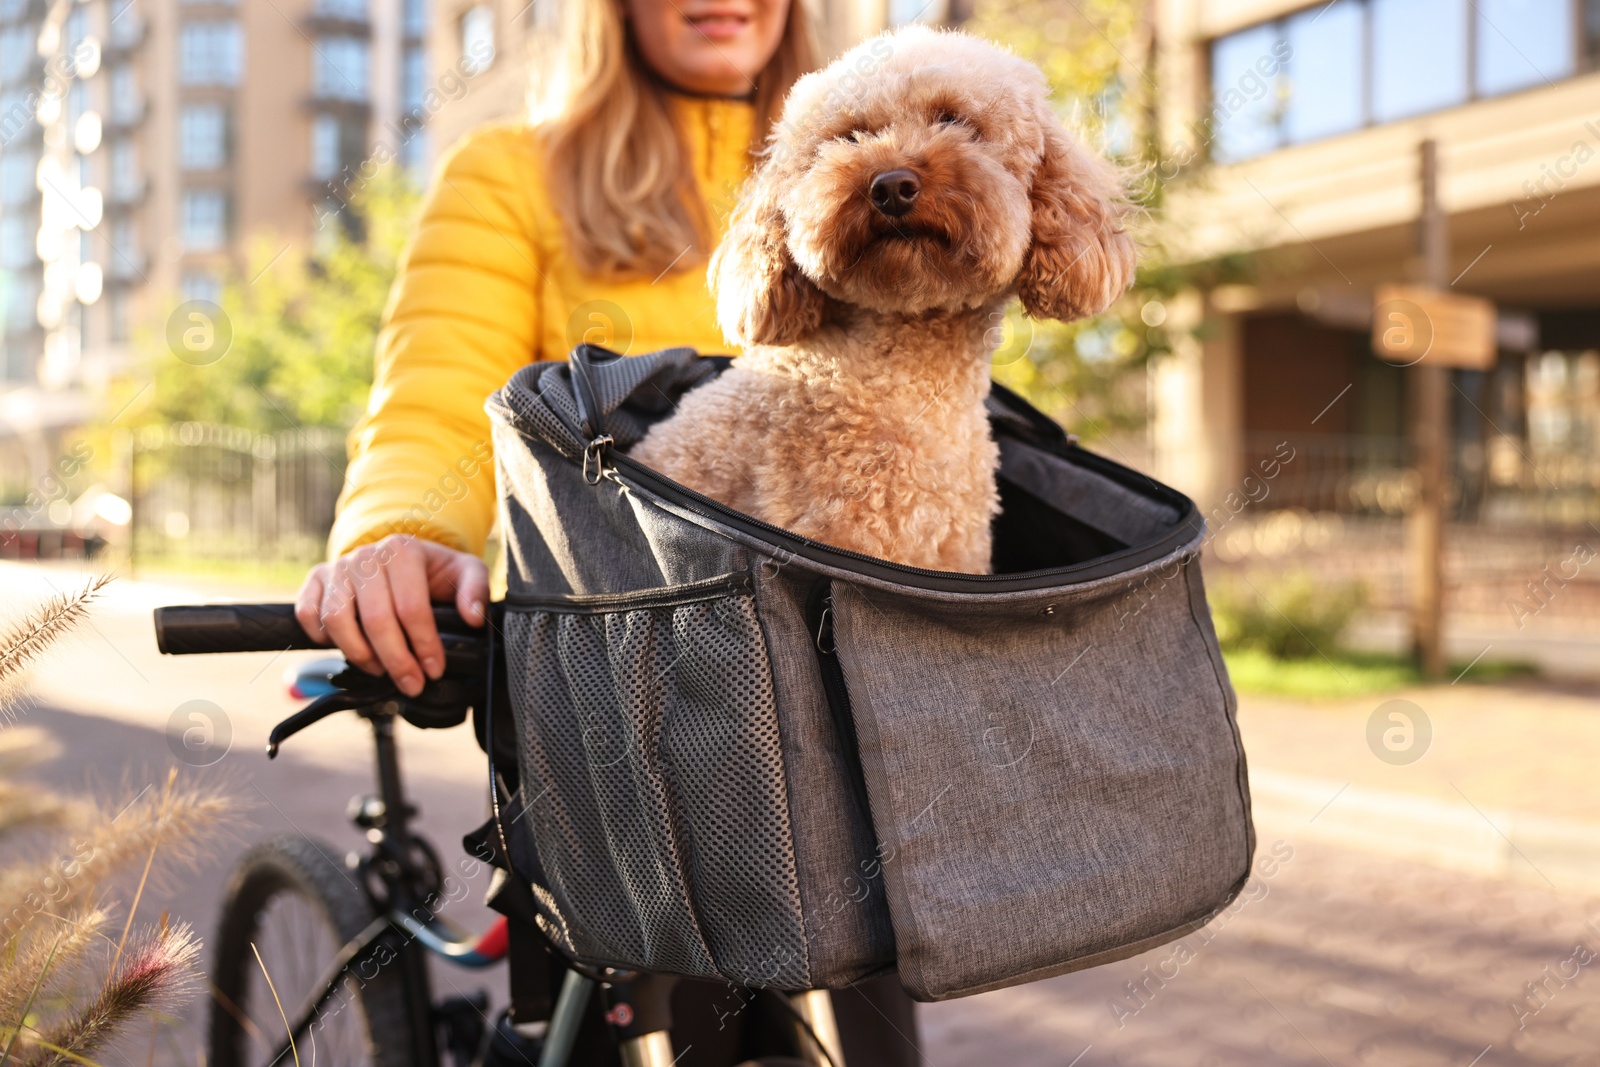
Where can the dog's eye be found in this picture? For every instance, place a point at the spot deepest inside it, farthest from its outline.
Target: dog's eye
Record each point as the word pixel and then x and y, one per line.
pixel 950 118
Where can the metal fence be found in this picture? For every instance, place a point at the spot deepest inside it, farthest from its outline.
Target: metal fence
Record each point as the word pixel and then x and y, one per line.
pixel 1523 524
pixel 220 492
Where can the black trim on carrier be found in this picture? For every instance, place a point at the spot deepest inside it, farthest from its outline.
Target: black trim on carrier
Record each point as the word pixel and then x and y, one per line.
pixel 1185 531
pixel 670 596
pixel 1020 421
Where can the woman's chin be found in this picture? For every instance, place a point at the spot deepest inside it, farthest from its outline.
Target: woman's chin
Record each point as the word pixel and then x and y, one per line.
pixel 715 68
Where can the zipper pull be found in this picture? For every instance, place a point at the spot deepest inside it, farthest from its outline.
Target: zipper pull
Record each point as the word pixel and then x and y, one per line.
pixel 825 626
pixel 594 458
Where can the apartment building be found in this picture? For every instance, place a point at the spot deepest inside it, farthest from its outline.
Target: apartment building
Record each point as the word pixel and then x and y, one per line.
pixel 146 145
pixel 1313 115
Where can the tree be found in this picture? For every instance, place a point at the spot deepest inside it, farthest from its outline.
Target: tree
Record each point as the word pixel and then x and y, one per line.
pixel 1091 375
pixel 303 327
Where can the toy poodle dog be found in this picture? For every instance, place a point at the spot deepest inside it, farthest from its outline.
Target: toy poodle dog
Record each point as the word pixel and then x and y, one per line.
pixel 911 189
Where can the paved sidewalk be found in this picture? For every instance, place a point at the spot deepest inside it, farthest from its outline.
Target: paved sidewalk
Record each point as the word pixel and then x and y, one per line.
pixel 1420 900
pixel 1346 960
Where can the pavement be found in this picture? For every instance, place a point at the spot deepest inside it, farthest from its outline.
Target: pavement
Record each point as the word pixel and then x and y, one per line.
pixel 1427 887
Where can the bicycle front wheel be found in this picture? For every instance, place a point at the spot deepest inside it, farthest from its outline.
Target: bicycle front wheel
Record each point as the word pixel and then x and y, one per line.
pixel 294 903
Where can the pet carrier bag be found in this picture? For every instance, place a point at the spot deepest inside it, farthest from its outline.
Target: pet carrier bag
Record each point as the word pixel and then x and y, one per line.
pixel 754 757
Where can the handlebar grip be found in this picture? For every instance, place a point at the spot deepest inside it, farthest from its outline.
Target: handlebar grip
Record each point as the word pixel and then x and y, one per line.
pixel 195 629
pixel 192 629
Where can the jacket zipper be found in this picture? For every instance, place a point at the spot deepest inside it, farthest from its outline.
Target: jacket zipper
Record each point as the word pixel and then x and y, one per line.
pixel 819 619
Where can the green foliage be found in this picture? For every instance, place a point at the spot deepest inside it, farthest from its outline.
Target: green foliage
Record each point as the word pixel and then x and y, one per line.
pixel 1293 618
pixel 1091 375
pixel 304 326
pixel 1346 675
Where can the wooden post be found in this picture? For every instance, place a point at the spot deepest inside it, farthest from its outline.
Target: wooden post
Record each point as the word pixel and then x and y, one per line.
pixel 1430 427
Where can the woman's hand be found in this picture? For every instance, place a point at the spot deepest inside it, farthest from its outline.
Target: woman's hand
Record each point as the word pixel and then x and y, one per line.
pixel 375 603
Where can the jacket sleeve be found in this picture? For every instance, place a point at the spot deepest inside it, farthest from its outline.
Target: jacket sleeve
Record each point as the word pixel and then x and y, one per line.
pixel 462 316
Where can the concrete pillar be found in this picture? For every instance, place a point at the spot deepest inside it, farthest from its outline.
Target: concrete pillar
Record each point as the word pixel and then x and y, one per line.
pixel 1196 421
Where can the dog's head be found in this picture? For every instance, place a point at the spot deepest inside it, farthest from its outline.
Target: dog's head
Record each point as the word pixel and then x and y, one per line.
pixel 922 170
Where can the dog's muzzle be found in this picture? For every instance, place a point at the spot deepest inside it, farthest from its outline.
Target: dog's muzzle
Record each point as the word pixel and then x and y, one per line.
pixel 894 192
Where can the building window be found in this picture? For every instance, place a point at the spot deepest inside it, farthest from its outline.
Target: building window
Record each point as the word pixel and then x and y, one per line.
pixel 415 18
pixel 1419 56
pixel 346 10
pixel 201 285
pixel 902 12
pixel 125 100
pixel 17 177
pixel 1244 89
pixel 76 28
pixel 1327 72
pixel 477 39
pixel 205 220
pixel 337 145
pixel 413 78
pixel 414 155
pixel 202 136
pixel 340 68
pixel 125 180
pixel 16 242
pixel 16 52
pixel 324 147
pixel 209 53
pixel 117 315
pixel 1521 43
pixel 124 259
pixel 1338 67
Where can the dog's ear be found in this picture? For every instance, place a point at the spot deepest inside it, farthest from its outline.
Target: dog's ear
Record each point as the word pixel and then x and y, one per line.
pixel 762 298
pixel 1081 258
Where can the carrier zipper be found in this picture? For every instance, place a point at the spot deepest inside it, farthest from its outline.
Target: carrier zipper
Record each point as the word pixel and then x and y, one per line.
pixel 670 596
pixel 819 620
pixel 1187 529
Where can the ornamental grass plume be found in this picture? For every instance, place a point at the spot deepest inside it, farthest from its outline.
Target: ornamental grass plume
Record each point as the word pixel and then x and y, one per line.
pixel 22 645
pixel 154 974
pixel 72 974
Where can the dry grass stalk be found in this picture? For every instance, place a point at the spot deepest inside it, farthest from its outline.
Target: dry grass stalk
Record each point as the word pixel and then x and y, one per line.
pixel 178 823
pixel 158 970
pixel 23 644
pixel 63 951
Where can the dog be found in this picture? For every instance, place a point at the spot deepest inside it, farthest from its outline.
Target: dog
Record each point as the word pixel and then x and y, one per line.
pixel 910 190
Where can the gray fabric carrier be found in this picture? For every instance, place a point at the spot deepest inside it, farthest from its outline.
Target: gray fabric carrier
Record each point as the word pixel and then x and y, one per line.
pixel 757 758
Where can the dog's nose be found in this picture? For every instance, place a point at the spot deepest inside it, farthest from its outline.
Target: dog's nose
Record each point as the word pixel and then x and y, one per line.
pixel 894 191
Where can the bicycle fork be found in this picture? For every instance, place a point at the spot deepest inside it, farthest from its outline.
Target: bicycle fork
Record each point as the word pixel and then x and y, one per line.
pixel 639 1010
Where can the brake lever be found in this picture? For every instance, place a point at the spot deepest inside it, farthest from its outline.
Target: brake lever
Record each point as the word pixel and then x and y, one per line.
pixel 312 713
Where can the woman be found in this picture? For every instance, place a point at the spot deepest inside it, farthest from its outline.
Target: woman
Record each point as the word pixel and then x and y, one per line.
pixel 596 220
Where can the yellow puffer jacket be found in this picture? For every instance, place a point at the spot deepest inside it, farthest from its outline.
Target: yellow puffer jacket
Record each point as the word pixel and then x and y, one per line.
pixel 485 287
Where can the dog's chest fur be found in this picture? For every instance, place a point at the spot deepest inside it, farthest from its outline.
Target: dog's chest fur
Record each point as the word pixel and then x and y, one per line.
pixel 870 437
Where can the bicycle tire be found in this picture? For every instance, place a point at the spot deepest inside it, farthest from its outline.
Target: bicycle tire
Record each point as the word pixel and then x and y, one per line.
pixel 292 881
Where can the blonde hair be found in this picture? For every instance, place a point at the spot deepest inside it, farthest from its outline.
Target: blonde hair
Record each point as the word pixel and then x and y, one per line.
pixel 619 175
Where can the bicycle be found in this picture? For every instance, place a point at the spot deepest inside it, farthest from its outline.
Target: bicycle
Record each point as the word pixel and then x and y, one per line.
pixel 336 948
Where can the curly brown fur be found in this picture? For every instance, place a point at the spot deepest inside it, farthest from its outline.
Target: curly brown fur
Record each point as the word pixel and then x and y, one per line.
pixel 855 416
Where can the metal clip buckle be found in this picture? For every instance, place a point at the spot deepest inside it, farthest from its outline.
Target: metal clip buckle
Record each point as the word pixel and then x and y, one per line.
pixel 596 449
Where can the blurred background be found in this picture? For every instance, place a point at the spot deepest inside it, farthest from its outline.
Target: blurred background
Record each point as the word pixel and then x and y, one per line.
pixel 1365 337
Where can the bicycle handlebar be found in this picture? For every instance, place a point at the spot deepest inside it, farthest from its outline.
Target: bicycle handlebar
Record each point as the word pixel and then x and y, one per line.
pixel 198 629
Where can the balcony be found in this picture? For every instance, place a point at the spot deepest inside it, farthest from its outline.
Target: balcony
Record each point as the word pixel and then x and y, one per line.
pixel 321 24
